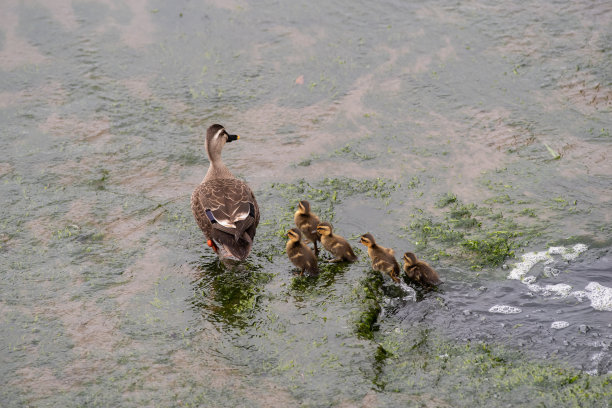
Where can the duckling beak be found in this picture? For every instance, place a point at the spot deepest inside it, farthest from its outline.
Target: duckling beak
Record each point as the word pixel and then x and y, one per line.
pixel 231 138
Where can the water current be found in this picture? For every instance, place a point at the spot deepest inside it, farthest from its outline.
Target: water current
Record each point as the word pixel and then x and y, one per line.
pixel 476 134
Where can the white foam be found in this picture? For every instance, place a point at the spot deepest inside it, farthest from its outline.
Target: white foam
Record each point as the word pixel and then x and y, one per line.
pixel 557 250
pixel 569 254
pixel 551 272
pixel 560 289
pixel 505 309
pixel 576 250
pixel 600 296
pixel 529 279
pixel 530 259
pixel 559 325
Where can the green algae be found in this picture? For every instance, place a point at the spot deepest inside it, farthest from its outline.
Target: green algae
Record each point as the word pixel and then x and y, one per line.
pixel 229 294
pixel 368 294
pixel 478 235
pixel 419 360
pixel 59 262
pixel 324 195
pixel 335 189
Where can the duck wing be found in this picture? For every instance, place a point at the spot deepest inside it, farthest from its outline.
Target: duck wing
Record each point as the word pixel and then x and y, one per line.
pixel 227 212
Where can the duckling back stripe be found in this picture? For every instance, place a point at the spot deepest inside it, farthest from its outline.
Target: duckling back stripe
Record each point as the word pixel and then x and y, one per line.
pixel 211 217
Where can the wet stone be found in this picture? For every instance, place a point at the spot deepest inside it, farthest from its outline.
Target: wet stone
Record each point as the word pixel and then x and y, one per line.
pixel 583 328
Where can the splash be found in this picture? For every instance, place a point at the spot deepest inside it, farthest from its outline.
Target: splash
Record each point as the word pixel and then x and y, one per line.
pixel 505 309
pixel 560 290
pixel 530 259
pixel 559 325
pixel 599 295
pixel 410 292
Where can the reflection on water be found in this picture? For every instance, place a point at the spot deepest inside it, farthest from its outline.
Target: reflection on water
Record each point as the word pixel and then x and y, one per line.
pixel 470 133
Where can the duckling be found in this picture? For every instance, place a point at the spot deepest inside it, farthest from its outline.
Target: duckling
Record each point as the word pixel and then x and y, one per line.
pixel 307 222
pixel 224 207
pixel 419 271
pixel 383 259
pixel 334 243
pixel 300 254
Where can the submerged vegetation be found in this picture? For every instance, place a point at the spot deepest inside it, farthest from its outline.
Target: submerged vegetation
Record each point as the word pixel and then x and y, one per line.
pixel 324 196
pixel 484 374
pixel 109 295
pixel 478 235
pixel 368 295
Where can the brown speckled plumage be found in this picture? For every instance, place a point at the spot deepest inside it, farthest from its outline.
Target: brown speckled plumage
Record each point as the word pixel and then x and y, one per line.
pixel 307 222
pixel 335 244
pixel 419 271
pixel 299 254
pixel 230 201
pixel 383 259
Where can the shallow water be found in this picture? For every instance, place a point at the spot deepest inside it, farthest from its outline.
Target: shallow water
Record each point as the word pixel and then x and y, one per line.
pixel 472 134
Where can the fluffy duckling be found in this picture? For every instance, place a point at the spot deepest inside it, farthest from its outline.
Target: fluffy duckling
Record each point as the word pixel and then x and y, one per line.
pixel 307 222
pixel 383 259
pixel 419 271
pixel 300 254
pixel 334 243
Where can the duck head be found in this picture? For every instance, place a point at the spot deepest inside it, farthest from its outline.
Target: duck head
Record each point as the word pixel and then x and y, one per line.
pixel 410 258
pixel 294 235
pixel 304 207
pixel 216 138
pixel 367 240
pixel 324 228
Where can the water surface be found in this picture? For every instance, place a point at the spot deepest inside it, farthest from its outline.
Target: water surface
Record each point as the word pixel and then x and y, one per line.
pixel 470 133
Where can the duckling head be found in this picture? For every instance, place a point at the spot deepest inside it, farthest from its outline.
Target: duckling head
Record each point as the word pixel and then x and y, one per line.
pixel 216 137
pixel 303 207
pixel 410 258
pixel 294 235
pixel 367 240
pixel 324 228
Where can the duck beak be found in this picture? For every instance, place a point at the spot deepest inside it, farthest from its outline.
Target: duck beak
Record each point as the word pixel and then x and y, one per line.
pixel 231 138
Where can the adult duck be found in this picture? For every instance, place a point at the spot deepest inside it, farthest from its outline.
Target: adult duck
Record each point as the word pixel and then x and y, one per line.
pixel 224 207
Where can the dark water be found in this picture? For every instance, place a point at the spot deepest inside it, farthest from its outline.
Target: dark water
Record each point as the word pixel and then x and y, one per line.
pixel 471 133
